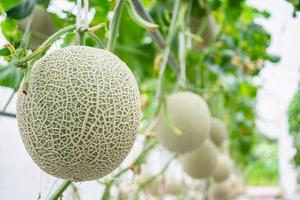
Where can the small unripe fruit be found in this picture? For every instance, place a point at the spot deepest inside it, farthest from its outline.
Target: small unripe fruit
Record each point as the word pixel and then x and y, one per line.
pixel 42 26
pixel 189 113
pixel 202 162
pixel 218 132
pixel 209 33
pixel 80 115
pixel 223 169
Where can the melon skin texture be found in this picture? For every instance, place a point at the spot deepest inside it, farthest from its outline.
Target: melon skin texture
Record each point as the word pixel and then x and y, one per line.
pixel 81 113
pixel 223 169
pixel 201 162
pixel 189 113
pixel 218 132
pixel 42 26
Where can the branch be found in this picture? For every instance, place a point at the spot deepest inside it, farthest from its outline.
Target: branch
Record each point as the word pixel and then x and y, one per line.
pixel 156 35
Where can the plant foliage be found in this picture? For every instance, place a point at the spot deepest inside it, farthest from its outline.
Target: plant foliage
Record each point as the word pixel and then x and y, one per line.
pixel 294 125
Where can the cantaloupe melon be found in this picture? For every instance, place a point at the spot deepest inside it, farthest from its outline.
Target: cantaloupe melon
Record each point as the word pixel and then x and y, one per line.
pixel 202 162
pixel 189 113
pixel 81 113
pixel 218 131
pixel 223 169
pixel 42 26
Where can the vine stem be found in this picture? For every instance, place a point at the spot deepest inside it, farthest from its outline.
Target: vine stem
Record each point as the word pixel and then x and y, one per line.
pixel 138 19
pixel 106 193
pixel 167 50
pixel 81 40
pixel 60 190
pixel 156 35
pixel 114 26
pixel 181 55
pixel 96 39
pixel 45 46
pixel 27 34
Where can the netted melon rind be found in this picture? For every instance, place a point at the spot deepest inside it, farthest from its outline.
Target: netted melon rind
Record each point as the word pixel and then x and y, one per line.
pixel 218 131
pixel 201 162
pixel 223 169
pixel 81 113
pixel 189 113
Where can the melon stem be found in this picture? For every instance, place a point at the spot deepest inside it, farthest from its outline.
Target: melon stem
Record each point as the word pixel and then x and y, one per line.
pixel 57 194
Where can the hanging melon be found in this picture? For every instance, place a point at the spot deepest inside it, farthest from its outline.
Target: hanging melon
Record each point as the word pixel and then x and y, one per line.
pixel 223 169
pixel 218 132
pixel 189 114
pixel 202 162
pixel 80 115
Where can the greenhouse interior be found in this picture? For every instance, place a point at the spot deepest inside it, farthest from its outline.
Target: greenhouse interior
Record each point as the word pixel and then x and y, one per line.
pixel 149 100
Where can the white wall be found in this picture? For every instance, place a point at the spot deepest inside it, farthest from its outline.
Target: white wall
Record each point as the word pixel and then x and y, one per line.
pixel 280 81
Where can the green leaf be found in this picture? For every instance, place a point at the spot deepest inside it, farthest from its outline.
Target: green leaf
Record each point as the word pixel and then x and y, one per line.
pixel 22 10
pixel 43 2
pixel 10 76
pixel 273 58
pixel 10 31
pixel 4 52
pixel 7 4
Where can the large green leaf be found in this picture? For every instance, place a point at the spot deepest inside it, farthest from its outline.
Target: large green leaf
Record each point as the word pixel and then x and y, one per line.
pixel 10 31
pixel 8 4
pixel 22 10
pixel 10 76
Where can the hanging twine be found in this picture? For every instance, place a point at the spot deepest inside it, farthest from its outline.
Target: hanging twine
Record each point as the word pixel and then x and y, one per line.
pixel 82 21
pixel 86 12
